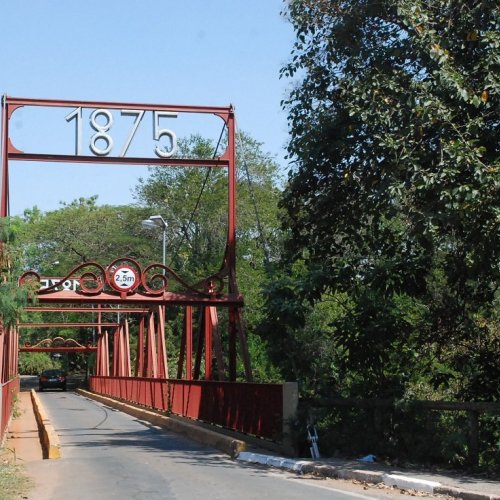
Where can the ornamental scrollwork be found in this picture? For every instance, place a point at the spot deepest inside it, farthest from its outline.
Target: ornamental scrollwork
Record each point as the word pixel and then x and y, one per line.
pixel 126 277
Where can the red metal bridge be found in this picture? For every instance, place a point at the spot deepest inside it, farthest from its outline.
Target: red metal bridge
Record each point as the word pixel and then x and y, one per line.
pixel 126 296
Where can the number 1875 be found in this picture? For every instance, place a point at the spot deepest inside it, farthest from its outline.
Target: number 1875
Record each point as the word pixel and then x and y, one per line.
pixel 101 142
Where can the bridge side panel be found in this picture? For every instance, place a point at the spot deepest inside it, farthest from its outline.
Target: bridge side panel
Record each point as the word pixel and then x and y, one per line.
pixel 256 409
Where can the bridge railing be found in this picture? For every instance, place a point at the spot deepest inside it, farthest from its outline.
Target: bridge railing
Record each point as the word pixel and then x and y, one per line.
pixel 8 393
pixel 262 410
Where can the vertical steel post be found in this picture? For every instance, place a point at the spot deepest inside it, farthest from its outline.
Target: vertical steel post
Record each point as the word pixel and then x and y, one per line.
pixel 217 343
pixel 9 355
pixel 139 360
pixel 188 328
pixel 105 353
pixel 161 348
pixel 98 362
pixel 232 344
pixel 151 362
pixel 2 343
pixel 182 351
pixel 231 238
pixel 126 353
pixel 5 161
pixel 16 351
pixel 200 340
pixel 208 343
pixel 116 351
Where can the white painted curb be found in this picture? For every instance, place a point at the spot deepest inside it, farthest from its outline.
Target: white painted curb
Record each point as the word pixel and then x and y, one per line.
pixel 412 483
pixel 404 482
pixel 278 462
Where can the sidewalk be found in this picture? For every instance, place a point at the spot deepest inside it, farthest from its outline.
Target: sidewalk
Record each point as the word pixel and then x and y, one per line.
pixel 23 441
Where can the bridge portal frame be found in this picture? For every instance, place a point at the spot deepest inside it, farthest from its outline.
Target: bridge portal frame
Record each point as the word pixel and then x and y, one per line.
pixel 207 301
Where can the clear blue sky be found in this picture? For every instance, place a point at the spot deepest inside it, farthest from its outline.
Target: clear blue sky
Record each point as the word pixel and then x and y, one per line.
pixel 201 52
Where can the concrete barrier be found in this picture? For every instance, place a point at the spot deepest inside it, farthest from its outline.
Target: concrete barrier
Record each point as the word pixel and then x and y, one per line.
pixel 48 437
pixel 207 437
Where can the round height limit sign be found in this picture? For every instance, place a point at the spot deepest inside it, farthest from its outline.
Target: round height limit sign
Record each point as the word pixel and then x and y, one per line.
pixel 124 278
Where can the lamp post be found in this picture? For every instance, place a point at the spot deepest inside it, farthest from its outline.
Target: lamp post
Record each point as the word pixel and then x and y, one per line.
pixel 155 222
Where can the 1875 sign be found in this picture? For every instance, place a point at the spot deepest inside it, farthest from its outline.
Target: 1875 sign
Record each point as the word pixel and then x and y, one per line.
pixel 101 122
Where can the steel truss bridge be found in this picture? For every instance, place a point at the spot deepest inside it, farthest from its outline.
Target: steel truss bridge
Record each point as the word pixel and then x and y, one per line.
pixel 125 295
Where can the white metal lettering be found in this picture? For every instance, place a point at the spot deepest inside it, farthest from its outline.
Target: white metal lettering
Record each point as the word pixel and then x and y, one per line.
pixel 101 130
pixel 138 113
pixel 77 115
pixel 102 134
pixel 159 133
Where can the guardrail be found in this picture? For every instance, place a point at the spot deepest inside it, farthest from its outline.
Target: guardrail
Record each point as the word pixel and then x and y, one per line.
pixel 261 410
pixel 8 393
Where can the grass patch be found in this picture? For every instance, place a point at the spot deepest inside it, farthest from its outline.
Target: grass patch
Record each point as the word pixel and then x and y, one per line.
pixel 14 484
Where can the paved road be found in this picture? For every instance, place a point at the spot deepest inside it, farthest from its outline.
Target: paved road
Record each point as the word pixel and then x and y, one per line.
pixel 107 454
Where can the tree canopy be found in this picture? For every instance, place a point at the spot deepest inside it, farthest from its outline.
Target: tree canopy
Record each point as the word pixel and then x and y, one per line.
pixel 394 192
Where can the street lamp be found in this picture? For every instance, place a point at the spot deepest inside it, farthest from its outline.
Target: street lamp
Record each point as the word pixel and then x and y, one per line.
pixel 155 222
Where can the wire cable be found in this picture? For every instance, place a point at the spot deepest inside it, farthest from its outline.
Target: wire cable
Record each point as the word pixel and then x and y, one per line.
pixel 254 202
pixel 209 170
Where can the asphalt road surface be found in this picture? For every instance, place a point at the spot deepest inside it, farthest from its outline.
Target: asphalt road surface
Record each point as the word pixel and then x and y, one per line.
pixel 108 454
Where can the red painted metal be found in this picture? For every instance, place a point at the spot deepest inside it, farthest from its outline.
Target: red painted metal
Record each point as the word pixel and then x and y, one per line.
pixel 231 235
pixel 151 368
pixel 197 399
pixel 9 391
pixel 65 325
pixel 200 336
pixel 9 339
pixel 104 366
pixel 83 349
pixel 208 343
pixel 126 349
pixel 94 279
pixel 10 104
pixel 139 362
pixel 186 349
pixel 3 357
pixel 170 162
pixel 16 102
pixel 161 347
pixel 188 330
pixel 70 297
pixel 4 192
pixel 217 343
pixel 232 345
pixel 93 310
pixel 250 408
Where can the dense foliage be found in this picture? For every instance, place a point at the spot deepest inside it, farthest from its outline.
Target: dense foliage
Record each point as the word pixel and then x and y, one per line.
pixel 12 297
pixel 394 194
pixel 390 275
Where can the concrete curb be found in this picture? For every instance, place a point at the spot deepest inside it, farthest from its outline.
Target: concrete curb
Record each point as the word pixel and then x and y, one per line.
pixel 190 430
pixel 337 472
pixel 48 437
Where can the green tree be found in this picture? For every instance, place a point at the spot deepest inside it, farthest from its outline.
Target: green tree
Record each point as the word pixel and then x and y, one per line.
pixel 82 231
pixel 12 297
pixel 394 192
pixel 193 201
